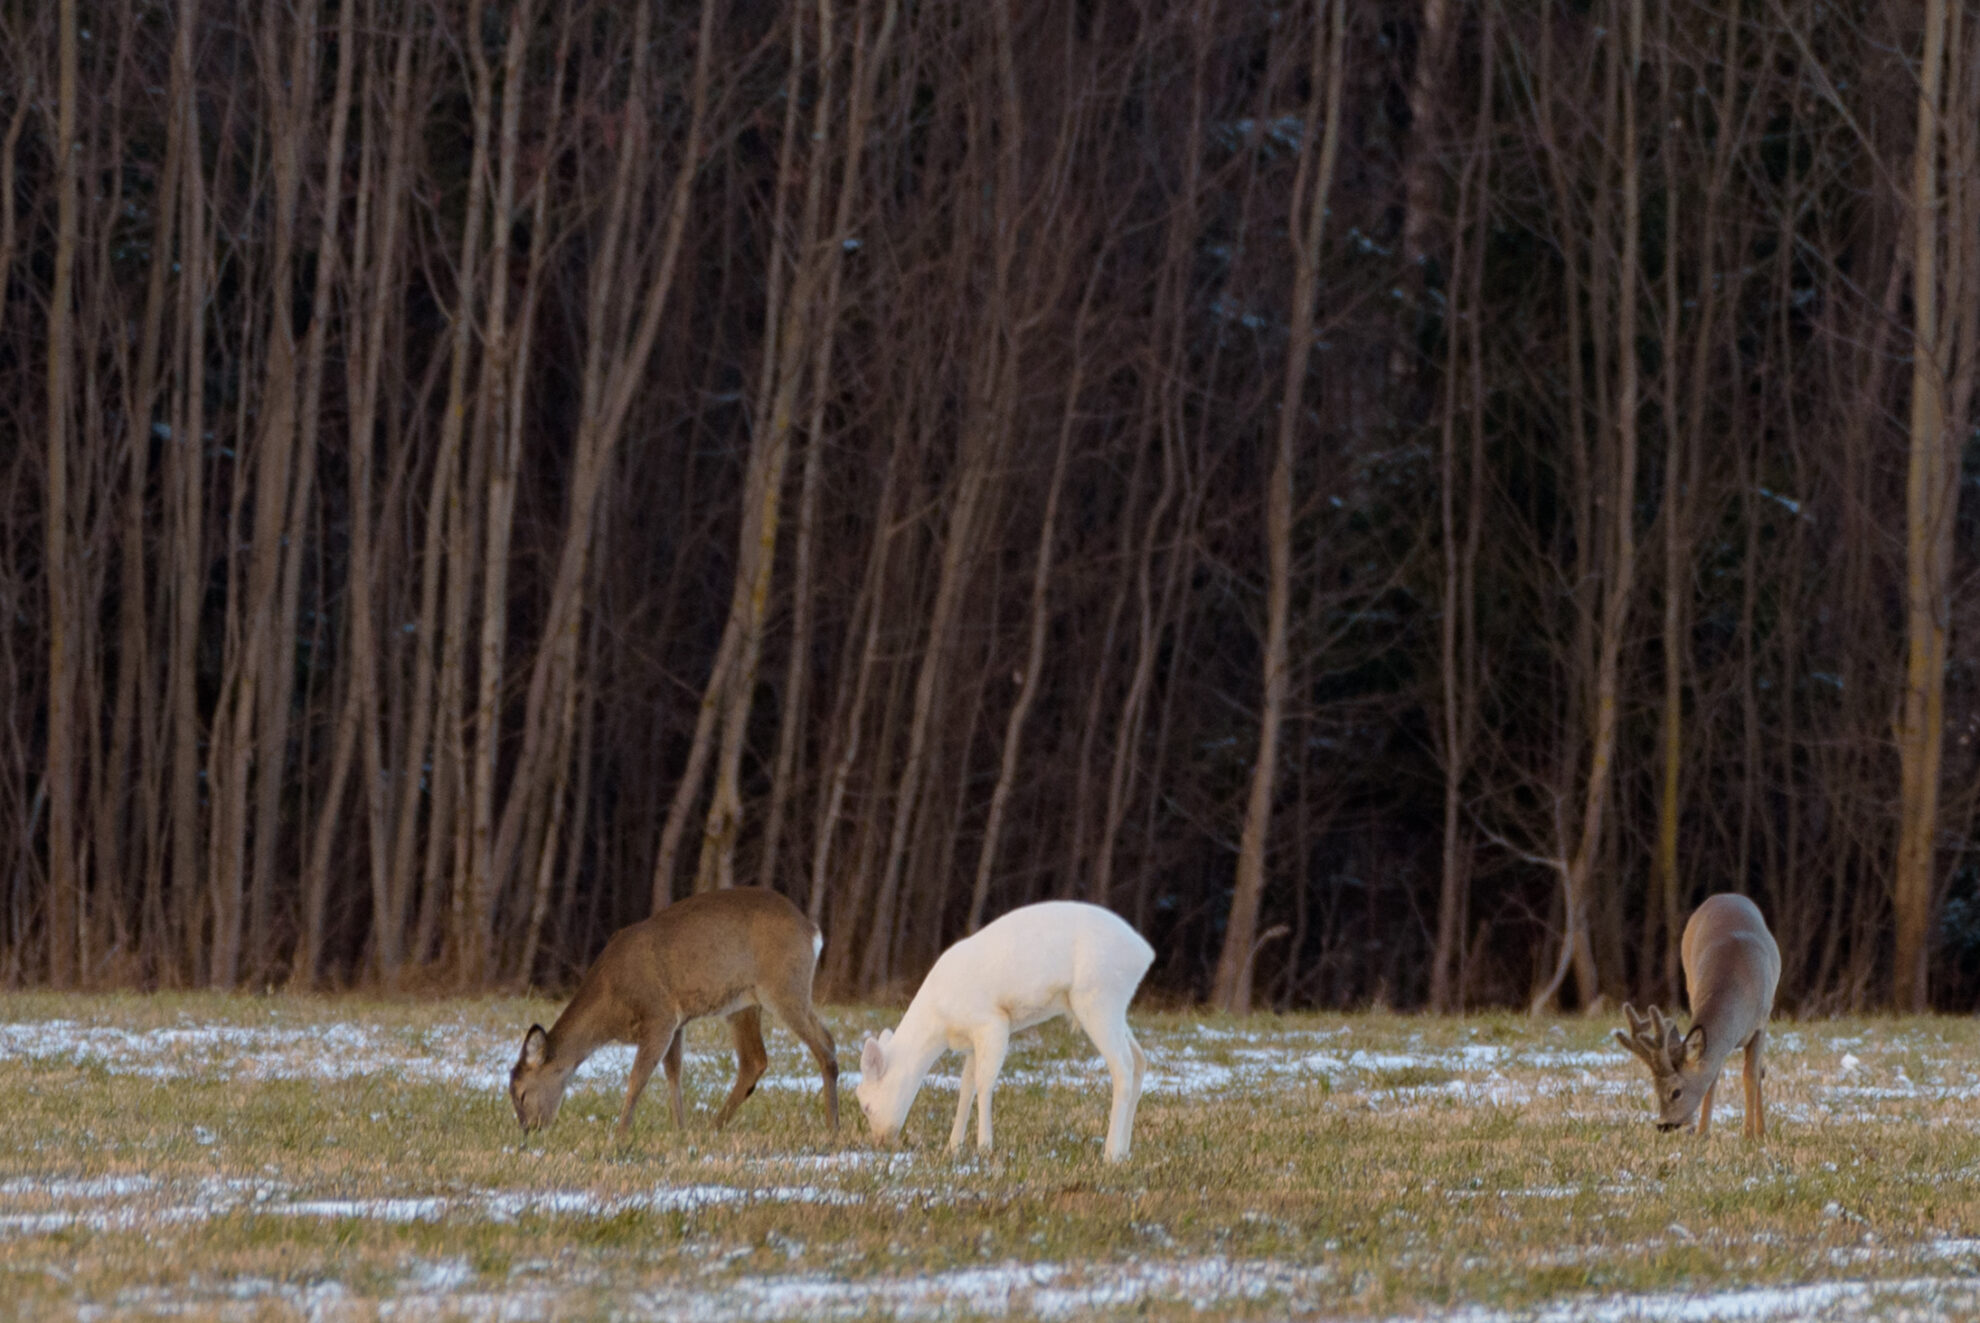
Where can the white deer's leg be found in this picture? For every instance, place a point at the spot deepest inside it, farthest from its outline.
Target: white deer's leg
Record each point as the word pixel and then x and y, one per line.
pixel 1140 1070
pixel 991 1041
pixel 965 1095
pixel 1107 1026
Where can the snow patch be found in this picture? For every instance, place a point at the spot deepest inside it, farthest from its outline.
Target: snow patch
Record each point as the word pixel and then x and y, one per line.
pixel 1941 1296
pixel 113 1210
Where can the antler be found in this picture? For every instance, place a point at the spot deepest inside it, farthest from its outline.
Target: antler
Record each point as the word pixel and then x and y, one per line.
pixel 1653 1039
pixel 1661 1032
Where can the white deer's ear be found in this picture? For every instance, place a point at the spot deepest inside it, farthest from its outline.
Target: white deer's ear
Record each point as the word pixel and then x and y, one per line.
pixel 536 1046
pixel 886 1037
pixel 872 1059
pixel 1694 1043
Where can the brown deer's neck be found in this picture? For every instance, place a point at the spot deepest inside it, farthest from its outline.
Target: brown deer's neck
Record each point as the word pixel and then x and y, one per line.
pixel 585 1026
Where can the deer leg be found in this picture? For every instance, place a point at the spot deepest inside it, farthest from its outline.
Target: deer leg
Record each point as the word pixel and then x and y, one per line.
pixel 751 1060
pixel 802 1020
pixel 1140 1070
pixel 671 1060
pixel 1107 1027
pixel 648 1056
pixel 1755 1070
pixel 991 1042
pixel 965 1095
pixel 1705 1111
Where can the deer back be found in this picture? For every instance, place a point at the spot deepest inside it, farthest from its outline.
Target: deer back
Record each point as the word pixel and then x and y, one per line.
pixel 1732 966
pixel 710 952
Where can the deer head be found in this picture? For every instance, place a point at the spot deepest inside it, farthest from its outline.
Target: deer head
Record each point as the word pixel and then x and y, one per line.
pixel 1676 1064
pixel 536 1087
pixel 884 1098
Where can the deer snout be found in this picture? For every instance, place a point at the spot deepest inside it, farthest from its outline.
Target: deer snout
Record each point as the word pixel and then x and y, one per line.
pixel 1668 1126
pixel 885 1136
pixel 527 1117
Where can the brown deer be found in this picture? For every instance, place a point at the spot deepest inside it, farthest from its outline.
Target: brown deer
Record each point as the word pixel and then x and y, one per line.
pixel 1731 966
pixel 721 953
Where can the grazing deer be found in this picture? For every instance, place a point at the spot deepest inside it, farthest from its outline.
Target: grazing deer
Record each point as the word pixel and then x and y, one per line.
pixel 1731 966
pixel 722 953
pixel 1037 962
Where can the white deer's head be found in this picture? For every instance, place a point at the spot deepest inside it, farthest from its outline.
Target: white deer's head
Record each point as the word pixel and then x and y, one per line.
pixel 883 1095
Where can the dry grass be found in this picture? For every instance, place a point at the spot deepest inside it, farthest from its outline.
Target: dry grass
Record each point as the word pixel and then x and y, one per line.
pixel 274 1158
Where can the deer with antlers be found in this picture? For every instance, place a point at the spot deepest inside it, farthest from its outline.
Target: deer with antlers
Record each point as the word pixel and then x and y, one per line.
pixel 1731 967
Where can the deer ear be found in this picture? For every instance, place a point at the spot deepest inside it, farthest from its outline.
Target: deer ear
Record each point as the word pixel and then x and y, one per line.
pixel 1694 1042
pixel 873 1059
pixel 536 1046
pixel 886 1038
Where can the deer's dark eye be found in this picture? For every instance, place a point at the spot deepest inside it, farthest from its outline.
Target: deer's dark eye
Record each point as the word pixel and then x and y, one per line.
pixel 1675 1093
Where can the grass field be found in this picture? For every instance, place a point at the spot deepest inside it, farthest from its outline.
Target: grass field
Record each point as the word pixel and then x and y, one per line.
pixel 199 1156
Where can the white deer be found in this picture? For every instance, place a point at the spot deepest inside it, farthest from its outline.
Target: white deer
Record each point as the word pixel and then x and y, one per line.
pixel 1037 962
pixel 1731 967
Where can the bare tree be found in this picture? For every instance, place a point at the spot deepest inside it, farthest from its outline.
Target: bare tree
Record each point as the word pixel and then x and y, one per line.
pixel 64 872
pixel 424 388
pixel 1311 185
pixel 1458 662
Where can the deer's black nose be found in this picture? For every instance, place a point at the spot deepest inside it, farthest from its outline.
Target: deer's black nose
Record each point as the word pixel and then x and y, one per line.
pixel 1667 1126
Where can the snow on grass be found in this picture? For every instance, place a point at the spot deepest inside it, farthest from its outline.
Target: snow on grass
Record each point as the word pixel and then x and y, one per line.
pixel 1040 1290
pixel 446 1289
pixel 1815 1078
pixel 102 1187
pixel 462 1055
pixel 1926 1297
pixel 1847 1076
pixel 114 1205
pixel 1491 1160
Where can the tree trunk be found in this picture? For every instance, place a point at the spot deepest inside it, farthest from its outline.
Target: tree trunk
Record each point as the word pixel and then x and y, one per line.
pixel 131 721
pixel 425 765
pixel 851 723
pixel 981 449
pixel 612 376
pixel 1457 626
pixel 1930 493
pixel 295 420
pixel 64 873
pixel 1127 725
pixel 1034 657
pixel 186 485
pixel 1577 876
pixel 867 55
pixel 1427 82
pixel 1659 949
pixel 1311 184
pixel 770 441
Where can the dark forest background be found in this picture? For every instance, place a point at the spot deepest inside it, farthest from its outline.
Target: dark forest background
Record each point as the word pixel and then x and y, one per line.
pixel 1398 499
